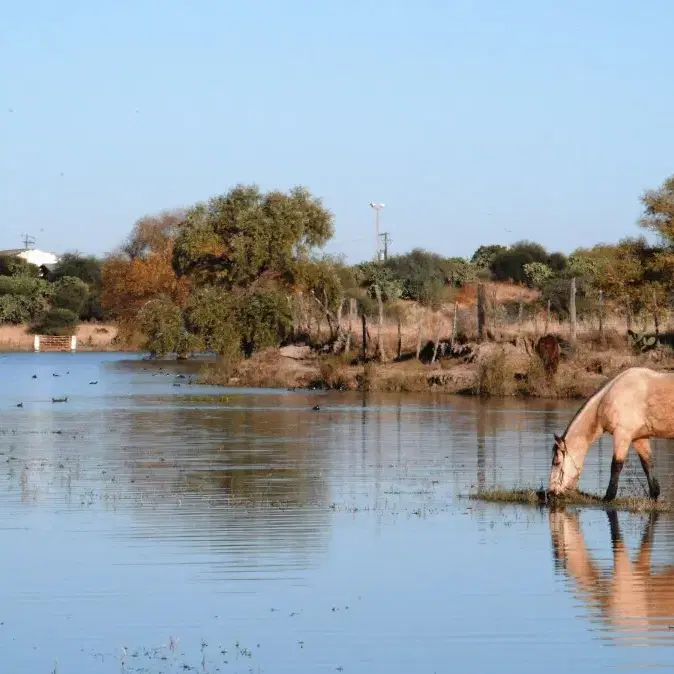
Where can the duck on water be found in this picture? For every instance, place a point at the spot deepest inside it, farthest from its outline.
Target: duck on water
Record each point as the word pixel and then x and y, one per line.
pixel 634 406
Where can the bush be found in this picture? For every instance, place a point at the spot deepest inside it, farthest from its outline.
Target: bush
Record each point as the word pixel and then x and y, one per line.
pixel 18 309
pixel 11 265
pixel 57 321
pixel 162 324
pixel 211 314
pixel 24 286
pixel 264 321
pixel 495 376
pixel 70 293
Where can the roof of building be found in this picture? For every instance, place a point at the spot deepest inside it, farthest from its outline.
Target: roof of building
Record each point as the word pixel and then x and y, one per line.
pixel 13 251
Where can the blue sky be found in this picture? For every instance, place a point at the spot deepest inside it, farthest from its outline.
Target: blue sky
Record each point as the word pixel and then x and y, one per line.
pixel 473 121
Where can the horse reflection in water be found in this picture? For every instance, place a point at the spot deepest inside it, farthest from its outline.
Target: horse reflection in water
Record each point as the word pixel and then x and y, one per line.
pixel 632 600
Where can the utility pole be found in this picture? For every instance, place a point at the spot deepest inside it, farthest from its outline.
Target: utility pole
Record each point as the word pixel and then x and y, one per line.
pixel 28 240
pixel 386 236
pixel 377 208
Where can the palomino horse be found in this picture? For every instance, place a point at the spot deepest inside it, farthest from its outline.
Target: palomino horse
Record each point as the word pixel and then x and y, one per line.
pixel 635 405
pixel 630 597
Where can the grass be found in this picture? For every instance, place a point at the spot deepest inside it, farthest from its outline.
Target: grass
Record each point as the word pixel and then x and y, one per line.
pixel 540 497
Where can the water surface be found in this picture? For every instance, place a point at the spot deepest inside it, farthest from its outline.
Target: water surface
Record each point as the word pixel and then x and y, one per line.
pixel 154 527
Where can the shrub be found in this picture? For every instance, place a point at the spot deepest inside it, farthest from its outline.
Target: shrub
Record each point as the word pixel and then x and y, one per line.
pixel 11 265
pixel 495 375
pixel 56 321
pixel 70 293
pixel 18 309
pixel 264 321
pixel 162 324
pixel 24 286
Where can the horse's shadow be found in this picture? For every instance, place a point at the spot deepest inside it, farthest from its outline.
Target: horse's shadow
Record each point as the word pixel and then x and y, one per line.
pixel 630 598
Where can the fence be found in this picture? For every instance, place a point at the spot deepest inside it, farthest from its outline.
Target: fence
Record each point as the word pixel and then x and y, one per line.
pixel 54 343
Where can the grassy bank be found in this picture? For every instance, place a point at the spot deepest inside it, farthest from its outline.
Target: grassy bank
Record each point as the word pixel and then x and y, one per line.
pixel 632 503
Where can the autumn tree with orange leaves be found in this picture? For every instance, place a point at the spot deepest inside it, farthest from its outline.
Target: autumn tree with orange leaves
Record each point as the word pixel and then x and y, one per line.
pixel 142 268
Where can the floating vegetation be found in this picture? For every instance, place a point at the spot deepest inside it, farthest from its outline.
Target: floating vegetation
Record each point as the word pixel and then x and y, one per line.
pixel 541 497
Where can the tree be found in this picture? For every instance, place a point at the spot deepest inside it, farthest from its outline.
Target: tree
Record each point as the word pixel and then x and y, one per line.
pixel 56 321
pixel 327 282
pixel 70 293
pixel 12 265
pixel 245 236
pixel 508 265
pixel 264 321
pixel 87 268
pixel 484 256
pixel 537 273
pixel 370 275
pixel 658 213
pixel 142 268
pixel 211 315
pixel 162 323
pixel 153 234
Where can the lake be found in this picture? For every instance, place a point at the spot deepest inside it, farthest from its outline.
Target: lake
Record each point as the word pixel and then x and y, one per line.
pixel 153 525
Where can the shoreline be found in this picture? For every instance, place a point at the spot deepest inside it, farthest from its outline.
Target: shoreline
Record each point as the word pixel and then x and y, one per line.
pixel 487 369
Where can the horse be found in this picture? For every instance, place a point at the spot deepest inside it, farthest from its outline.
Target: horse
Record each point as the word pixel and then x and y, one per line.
pixel 635 600
pixel 634 406
pixel 547 349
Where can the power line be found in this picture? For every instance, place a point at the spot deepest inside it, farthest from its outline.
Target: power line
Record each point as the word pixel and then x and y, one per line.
pixel 386 236
pixel 28 240
pixel 377 208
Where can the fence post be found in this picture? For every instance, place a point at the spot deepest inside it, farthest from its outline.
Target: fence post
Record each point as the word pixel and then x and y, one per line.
pixel 481 301
pixel 73 342
pixel 601 315
pixel 572 309
pixel 36 343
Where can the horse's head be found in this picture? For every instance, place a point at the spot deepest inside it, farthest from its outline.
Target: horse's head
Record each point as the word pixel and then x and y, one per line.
pixel 565 470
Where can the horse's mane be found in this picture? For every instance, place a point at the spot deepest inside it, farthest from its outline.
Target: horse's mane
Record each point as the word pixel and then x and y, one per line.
pixel 600 391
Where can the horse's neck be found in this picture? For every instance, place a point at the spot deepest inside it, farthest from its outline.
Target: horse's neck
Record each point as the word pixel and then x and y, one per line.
pixel 584 427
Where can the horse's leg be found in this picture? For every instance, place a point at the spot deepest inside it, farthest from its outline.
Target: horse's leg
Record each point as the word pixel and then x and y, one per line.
pixel 621 445
pixel 643 448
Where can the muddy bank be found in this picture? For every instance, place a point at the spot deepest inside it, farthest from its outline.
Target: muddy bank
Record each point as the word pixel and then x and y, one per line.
pixel 489 369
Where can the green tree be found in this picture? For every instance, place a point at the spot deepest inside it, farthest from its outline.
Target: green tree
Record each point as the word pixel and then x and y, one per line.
pixel 370 274
pixel 212 315
pixel 658 215
pixel 537 273
pixel 162 324
pixel 508 265
pixel 484 256
pixel 56 321
pixel 12 265
pixel 244 236
pixel 87 268
pixel 70 293
pixel 264 321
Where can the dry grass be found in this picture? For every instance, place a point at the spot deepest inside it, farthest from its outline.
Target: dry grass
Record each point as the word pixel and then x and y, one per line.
pixel 90 337
pixel 267 369
pixel 633 504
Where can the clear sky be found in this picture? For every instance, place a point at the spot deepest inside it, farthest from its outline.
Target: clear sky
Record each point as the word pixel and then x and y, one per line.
pixel 473 121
